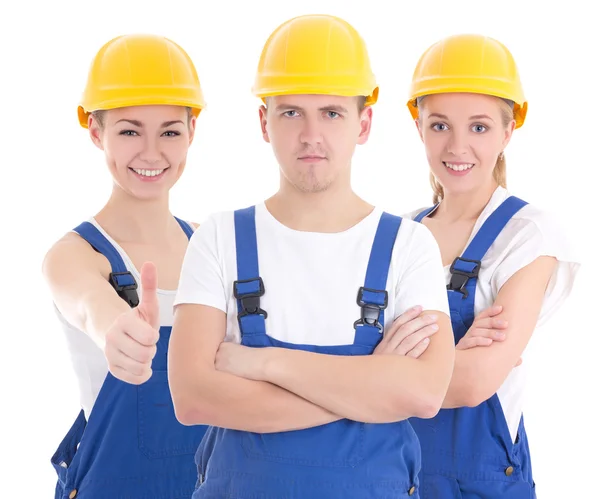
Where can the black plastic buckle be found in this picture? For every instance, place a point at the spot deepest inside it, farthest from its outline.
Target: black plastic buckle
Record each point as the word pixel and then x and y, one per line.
pixel 127 292
pixel 459 278
pixel 370 307
pixel 250 302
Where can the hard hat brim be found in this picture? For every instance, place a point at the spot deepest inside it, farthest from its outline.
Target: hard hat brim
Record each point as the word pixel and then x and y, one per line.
pixel 161 98
pixel 520 106
pixel 371 94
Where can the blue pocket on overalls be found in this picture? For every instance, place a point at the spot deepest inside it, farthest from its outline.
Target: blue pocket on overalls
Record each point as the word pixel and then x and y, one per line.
pixel 156 414
pixel 336 445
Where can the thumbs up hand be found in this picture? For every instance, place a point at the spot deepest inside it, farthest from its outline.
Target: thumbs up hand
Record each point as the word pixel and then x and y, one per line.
pixel 148 308
pixel 131 340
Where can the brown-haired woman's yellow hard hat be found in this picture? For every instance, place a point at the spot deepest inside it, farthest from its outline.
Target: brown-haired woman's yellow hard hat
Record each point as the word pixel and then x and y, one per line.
pixel 138 70
pixel 315 54
pixel 468 63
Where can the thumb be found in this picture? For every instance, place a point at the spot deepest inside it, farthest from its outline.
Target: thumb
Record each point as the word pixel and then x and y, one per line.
pixel 148 306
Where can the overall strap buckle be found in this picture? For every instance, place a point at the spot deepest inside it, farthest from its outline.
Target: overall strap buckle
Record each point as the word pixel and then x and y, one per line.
pixel 125 286
pixel 461 271
pixel 371 303
pixel 248 292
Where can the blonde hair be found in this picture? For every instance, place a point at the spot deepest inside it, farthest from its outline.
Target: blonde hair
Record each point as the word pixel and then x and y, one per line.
pixel 361 101
pixel 499 173
pixel 100 114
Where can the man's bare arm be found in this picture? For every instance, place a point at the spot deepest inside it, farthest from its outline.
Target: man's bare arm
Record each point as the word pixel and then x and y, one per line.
pixel 203 395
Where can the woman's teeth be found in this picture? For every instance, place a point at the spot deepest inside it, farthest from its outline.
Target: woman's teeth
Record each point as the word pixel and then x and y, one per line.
pixel 459 167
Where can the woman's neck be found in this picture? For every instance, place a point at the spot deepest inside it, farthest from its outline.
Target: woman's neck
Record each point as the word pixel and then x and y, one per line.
pixel 455 207
pixel 129 219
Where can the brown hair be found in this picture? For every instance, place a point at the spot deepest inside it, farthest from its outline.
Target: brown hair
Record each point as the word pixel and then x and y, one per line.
pixel 361 102
pixel 499 172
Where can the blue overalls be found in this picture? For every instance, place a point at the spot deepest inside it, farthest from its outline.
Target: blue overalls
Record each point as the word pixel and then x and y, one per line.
pixel 132 447
pixel 344 459
pixel 468 452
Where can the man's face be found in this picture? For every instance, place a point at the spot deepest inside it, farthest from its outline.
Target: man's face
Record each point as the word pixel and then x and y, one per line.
pixel 314 137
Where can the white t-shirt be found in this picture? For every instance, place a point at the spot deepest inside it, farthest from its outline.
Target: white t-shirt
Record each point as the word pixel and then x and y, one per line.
pixel 87 358
pixel 311 279
pixel 529 234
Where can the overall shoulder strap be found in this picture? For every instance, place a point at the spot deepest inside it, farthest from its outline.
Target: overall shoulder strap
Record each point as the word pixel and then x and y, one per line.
pixel 187 228
pixel 373 296
pixel 120 278
pixel 465 268
pixel 249 286
pixel 426 212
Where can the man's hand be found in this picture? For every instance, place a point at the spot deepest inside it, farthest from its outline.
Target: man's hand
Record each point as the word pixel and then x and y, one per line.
pixel 409 334
pixel 242 361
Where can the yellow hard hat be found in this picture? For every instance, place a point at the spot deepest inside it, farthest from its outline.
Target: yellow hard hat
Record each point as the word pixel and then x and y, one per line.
pixel 138 70
pixel 468 63
pixel 315 54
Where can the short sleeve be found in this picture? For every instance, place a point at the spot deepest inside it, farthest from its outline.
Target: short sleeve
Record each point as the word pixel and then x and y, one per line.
pixel 422 281
pixel 534 235
pixel 201 281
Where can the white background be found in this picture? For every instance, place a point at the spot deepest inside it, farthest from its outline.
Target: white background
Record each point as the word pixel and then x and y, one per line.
pixel 53 178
